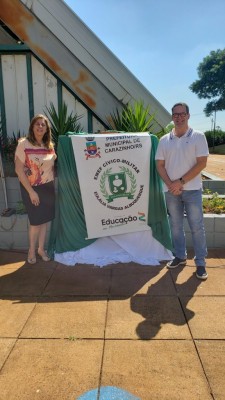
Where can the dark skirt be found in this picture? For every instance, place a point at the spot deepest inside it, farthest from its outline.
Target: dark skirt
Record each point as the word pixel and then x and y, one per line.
pixel 45 212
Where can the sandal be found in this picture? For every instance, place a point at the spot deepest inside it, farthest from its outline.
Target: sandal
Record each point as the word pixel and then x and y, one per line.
pixel 44 256
pixel 31 260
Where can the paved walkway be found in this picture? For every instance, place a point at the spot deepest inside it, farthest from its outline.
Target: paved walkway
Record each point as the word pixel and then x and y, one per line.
pixel 122 332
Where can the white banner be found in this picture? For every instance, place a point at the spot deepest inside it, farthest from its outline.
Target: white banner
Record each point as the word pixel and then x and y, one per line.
pixel 113 172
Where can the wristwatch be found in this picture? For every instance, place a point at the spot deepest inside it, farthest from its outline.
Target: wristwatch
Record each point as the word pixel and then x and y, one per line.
pixel 182 181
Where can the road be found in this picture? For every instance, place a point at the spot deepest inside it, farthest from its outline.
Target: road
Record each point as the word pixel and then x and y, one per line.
pixel 216 165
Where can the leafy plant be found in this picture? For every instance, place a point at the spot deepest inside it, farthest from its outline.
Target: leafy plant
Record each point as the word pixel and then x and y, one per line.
pixel 132 118
pixel 207 191
pixel 72 338
pixel 8 145
pixel 213 204
pixel 20 208
pixel 165 130
pixel 62 122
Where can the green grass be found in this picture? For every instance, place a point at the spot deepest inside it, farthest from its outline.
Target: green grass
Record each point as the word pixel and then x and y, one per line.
pixel 217 149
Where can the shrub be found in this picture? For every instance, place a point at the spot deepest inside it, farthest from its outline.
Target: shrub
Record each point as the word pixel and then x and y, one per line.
pixel 216 138
pixel 213 204
pixel 133 118
pixel 8 146
pixel 62 122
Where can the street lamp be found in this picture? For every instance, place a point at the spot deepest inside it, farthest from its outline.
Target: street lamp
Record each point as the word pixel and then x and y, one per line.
pixel 211 122
pixel 214 129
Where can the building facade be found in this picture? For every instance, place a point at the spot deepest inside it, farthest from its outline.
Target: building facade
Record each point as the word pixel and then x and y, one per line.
pixel 47 54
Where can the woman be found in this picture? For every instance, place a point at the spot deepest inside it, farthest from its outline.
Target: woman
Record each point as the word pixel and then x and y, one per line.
pixel 34 165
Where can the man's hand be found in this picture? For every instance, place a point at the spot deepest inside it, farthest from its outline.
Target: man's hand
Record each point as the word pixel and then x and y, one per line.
pixel 175 187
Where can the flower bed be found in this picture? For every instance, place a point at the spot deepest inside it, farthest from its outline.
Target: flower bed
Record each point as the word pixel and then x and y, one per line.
pixel 214 204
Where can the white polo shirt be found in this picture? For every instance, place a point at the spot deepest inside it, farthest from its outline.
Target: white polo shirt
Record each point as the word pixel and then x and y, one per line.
pixel 179 154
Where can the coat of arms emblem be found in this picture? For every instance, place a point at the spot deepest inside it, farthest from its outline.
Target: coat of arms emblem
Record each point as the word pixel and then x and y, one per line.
pixel 118 184
pixel 92 150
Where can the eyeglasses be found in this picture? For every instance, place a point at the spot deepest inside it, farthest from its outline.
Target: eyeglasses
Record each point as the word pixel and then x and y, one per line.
pixel 40 124
pixel 182 114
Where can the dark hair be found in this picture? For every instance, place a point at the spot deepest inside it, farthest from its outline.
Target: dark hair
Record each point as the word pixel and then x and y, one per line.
pixel 47 138
pixel 181 104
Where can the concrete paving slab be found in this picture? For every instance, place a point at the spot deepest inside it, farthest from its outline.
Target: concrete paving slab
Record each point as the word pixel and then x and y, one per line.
pixel 12 258
pixel 216 253
pixel 14 315
pixel 155 369
pixel 220 253
pixel 80 281
pixel 24 264
pixel 51 369
pixel 6 346
pixel 25 281
pixel 67 317
pixel 172 307
pixel 15 265
pixel 154 281
pixel 146 317
pixel 215 258
pixel 213 262
pixel 187 284
pixel 209 316
pixel 212 354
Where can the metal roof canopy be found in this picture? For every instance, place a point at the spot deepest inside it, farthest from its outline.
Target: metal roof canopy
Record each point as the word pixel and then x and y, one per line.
pixel 74 53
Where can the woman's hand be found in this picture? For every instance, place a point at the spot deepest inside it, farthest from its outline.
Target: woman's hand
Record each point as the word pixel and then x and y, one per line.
pixel 34 198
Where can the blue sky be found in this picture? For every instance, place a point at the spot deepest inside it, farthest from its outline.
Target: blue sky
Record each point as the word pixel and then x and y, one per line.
pixel 162 43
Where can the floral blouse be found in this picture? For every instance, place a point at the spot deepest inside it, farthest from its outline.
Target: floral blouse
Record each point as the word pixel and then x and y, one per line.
pixel 38 162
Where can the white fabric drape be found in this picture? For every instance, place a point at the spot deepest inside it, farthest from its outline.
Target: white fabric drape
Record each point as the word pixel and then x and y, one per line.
pixel 140 247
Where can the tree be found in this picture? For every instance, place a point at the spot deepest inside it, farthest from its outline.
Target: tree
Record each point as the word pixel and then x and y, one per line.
pixel 211 82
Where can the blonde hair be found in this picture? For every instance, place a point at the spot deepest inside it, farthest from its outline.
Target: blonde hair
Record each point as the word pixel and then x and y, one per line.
pixel 47 138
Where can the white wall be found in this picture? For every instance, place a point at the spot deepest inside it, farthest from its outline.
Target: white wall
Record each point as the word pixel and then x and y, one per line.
pixel 14 71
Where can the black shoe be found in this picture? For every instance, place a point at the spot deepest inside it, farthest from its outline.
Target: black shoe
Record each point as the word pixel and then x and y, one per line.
pixel 201 273
pixel 176 262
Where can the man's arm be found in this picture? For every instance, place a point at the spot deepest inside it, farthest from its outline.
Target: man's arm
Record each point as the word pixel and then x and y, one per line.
pixel 174 187
pixel 196 169
pixel 160 164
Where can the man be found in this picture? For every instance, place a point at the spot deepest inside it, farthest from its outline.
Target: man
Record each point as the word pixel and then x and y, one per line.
pixel 180 158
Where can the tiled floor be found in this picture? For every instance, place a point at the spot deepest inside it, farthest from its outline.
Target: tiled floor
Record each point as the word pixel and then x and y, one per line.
pixel 123 332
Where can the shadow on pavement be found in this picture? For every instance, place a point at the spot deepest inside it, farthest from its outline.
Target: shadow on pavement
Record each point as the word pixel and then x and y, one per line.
pixel 163 309
pixel 43 281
